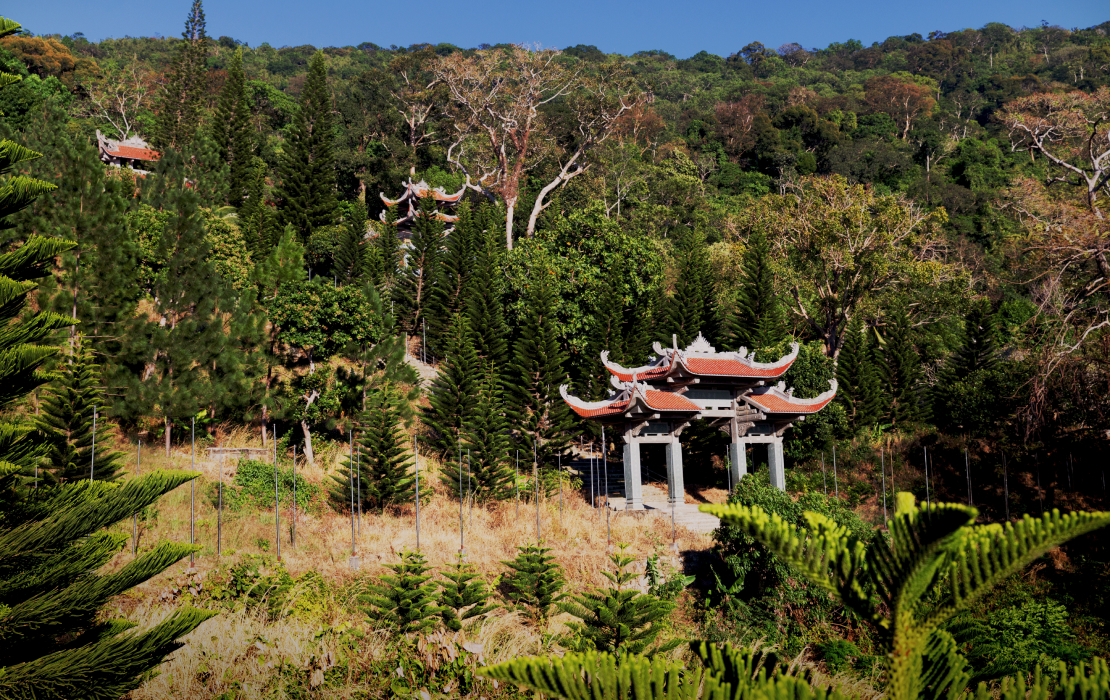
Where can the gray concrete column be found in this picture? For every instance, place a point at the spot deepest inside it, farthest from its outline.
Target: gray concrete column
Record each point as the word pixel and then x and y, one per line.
pixel 738 460
pixel 676 485
pixel 777 463
pixel 633 487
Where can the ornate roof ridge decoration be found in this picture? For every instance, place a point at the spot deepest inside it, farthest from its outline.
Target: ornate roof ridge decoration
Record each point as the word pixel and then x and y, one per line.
pixel 423 189
pixel 648 371
pixel 779 399
pixel 630 395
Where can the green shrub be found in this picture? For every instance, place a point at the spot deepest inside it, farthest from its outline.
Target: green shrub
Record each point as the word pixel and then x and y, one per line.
pixel 253 487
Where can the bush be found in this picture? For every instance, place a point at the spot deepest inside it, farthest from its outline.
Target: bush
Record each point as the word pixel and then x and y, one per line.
pixel 254 487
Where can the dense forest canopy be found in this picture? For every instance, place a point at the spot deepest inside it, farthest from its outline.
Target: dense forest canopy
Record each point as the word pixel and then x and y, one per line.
pixel 918 198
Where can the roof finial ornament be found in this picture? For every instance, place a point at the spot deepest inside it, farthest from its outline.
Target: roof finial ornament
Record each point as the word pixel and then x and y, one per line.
pixel 674 341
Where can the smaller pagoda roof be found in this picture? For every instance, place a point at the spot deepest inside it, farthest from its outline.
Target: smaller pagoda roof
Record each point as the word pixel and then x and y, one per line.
pixel 133 148
pixel 700 359
pixel 779 400
pixel 633 397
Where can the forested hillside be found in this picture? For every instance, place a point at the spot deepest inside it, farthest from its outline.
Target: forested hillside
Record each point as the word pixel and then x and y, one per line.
pixel 926 216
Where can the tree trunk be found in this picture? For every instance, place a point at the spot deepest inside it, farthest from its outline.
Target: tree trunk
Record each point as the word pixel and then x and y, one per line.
pixel 510 205
pixel 169 426
pixel 265 424
pixel 309 455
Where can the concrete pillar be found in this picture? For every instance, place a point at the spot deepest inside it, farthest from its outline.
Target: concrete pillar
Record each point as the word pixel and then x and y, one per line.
pixel 777 464
pixel 738 460
pixel 633 487
pixel 675 483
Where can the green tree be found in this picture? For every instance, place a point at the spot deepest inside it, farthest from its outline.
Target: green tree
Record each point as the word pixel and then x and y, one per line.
pixel 456 264
pixel 417 279
pixel 258 221
pixel 756 322
pixel 232 131
pixel 901 372
pixel 454 392
pixel 384 461
pixel 66 419
pixel 307 170
pixel 179 108
pixel 541 418
pixel 536 581
pixel 486 442
pixel 465 595
pixel 406 600
pixel 618 619
pixel 688 310
pixel 484 307
pixel 316 321
pixel 859 386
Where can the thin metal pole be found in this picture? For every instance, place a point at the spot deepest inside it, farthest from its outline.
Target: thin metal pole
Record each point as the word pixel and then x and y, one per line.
pixel 220 511
pixel 192 487
pixel 605 462
pixel 536 476
pixel 416 465
pixel 351 487
pixel 135 517
pixel 836 484
pixel 824 477
pixel 1006 485
pixel 294 536
pixel 358 485
pixel 967 471
pixel 928 499
pixel 423 343
pixel 593 484
pixel 560 489
pixel 92 461
pixel 277 506
pixel 882 466
pixel 462 525
pixel 1040 494
pixel 469 488
pixel 516 484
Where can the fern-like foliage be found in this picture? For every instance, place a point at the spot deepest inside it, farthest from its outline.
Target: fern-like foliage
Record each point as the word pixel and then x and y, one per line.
pixel 930 547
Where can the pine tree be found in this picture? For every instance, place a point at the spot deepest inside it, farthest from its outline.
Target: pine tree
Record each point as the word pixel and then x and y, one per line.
pixel 688 311
pixel 384 461
pixel 488 329
pixel 859 386
pixel 57 641
pixel 756 322
pixel 902 373
pixel 180 105
pixel 406 600
pixel 536 581
pixel 307 168
pixel 167 354
pixel 538 413
pixel 66 422
pixel 258 221
pixel 979 349
pixel 456 265
pixel 619 619
pixel 465 595
pixel 485 445
pixel 453 395
pixel 417 280
pixel 389 244
pixel 232 131
pixel 348 259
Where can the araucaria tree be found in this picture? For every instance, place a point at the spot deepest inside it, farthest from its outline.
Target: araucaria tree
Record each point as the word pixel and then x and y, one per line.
pixel 406 600
pixel 689 311
pixel 306 194
pixel 232 131
pixel 539 415
pixel 454 392
pixel 465 595
pixel 486 441
pixel 756 321
pixel 416 287
pixel 902 373
pixel 180 106
pixel 859 385
pixel 536 581
pixel 383 461
pixel 66 421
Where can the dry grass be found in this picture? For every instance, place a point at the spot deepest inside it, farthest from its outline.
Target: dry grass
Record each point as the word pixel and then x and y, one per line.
pixel 241 652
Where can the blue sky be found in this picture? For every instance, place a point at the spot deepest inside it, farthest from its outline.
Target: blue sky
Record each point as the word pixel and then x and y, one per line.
pixel 681 28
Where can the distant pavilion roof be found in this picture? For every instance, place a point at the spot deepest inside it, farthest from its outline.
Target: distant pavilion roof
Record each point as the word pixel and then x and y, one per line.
pixel 780 400
pixel 700 359
pixel 131 149
pixel 633 398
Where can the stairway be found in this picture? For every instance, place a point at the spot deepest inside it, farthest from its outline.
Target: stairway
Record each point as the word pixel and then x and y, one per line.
pixel 427 372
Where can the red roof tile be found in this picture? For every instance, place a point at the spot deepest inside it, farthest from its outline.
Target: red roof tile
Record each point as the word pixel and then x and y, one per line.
pixel 641 376
pixel 134 153
pixel 611 409
pixel 776 404
pixel 667 401
pixel 731 368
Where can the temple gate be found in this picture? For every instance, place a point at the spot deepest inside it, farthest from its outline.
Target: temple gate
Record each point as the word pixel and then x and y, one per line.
pixel 653 404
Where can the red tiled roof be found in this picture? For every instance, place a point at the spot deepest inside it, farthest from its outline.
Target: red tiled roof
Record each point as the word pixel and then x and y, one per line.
pixel 667 401
pixel 641 376
pixel 611 409
pixel 135 153
pixel 776 404
pixel 730 368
